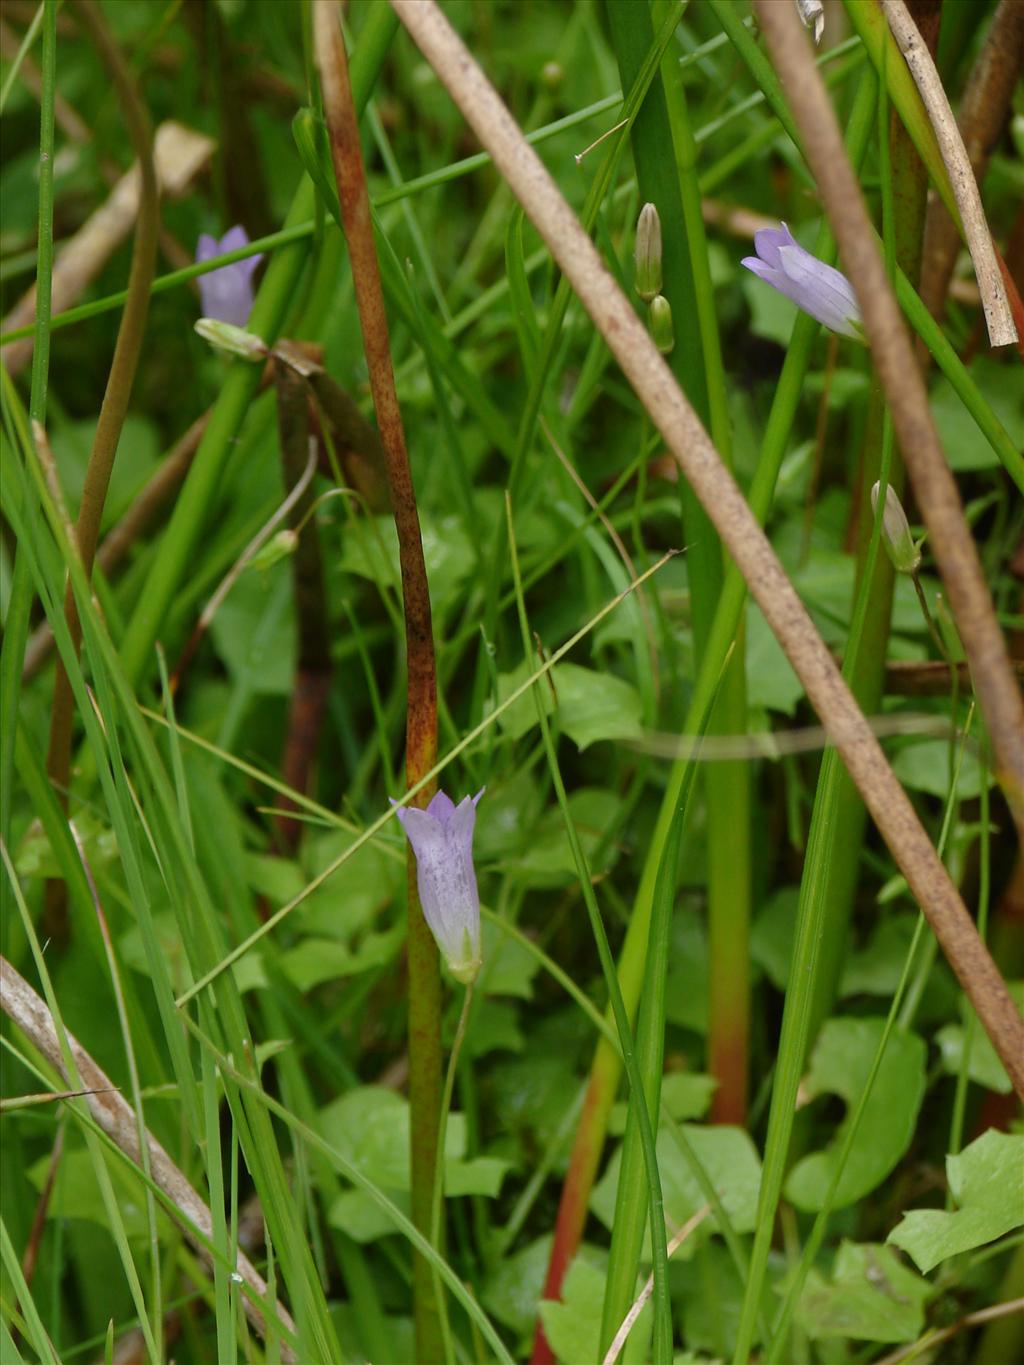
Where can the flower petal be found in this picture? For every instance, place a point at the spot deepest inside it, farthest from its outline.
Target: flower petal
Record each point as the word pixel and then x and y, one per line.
pixel 769 273
pixel 442 839
pixel 206 248
pixel 441 807
pixel 769 241
pixel 821 290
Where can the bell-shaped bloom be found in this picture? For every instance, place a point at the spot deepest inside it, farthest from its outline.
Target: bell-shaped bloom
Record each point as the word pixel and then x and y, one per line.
pixel 226 294
pixel 896 537
pixel 812 285
pixel 442 839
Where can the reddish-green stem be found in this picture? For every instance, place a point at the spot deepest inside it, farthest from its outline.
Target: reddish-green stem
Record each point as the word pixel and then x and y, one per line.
pixel 421 719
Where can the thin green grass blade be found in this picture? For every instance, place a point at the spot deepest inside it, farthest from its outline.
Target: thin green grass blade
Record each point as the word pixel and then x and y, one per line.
pixel 655 1199
pixel 628 1226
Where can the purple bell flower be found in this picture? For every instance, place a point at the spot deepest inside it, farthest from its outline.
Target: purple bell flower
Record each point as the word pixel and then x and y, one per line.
pixel 442 839
pixel 812 285
pixel 226 294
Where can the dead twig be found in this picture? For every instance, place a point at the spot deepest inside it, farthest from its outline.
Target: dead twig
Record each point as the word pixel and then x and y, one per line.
pixel 934 485
pixel 996 306
pixel 115 1116
pixel 983 113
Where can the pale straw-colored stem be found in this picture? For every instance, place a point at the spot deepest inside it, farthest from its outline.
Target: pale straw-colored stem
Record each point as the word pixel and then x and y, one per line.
pixel 629 1321
pixel 691 446
pixel 996 306
pixel 893 354
pixel 118 1120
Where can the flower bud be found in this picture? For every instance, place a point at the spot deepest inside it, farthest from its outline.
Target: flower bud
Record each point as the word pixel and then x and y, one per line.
pixel 899 543
pixel 552 75
pixel 648 253
pixel 232 340
pixel 278 547
pixel 661 324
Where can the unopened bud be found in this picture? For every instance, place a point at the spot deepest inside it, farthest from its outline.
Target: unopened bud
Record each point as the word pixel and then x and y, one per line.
pixel 899 543
pixel 552 75
pixel 648 253
pixel 278 547
pixel 661 324
pixel 232 340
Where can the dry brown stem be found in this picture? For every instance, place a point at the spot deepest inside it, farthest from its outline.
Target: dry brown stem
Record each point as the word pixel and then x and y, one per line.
pixel 421 713
pixel 998 317
pixel 934 486
pixel 983 113
pixel 941 1334
pixel 117 1119
pixel 690 444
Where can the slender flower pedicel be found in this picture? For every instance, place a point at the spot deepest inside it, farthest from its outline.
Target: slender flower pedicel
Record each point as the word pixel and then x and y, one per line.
pixel 817 288
pixel 226 294
pixel 442 839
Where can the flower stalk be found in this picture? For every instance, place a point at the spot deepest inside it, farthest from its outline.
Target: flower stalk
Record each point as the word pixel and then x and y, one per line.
pixel 421 715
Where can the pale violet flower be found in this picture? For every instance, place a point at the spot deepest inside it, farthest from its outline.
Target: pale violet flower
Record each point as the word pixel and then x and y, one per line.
pixel 226 294
pixel 442 839
pixel 812 285
pixel 812 12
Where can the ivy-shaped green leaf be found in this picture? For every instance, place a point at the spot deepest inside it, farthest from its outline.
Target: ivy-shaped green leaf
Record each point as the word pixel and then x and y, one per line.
pixel 839 1066
pixel 872 1297
pixel 986 1181
pixel 573 1326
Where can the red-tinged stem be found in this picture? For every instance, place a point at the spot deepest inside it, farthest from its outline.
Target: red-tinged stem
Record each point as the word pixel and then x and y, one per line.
pixel 421 720
pixel 579 1182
